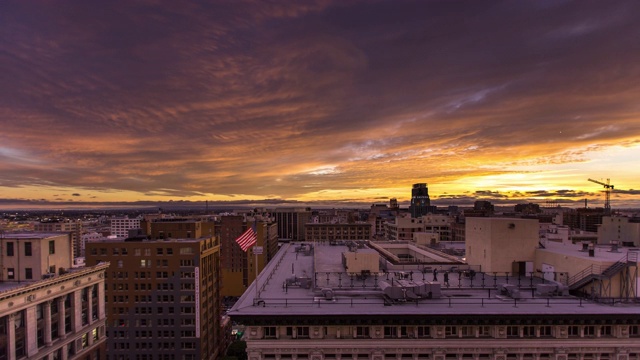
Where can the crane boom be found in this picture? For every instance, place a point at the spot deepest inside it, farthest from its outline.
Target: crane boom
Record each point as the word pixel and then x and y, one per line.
pixel 607 193
pixel 601 183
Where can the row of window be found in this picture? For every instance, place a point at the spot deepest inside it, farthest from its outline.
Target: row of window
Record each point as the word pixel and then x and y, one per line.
pixel 458 356
pixel 28 248
pixel 139 251
pixel 154 357
pixel 512 331
pixel 149 310
pixel 147 286
pixel 147 274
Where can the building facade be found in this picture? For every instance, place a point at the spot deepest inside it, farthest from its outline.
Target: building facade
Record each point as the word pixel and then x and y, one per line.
pixel 120 226
pixel 496 243
pixel 162 298
pixel 47 310
pixel 30 256
pixel 621 230
pixel 321 312
pixel 72 227
pixel 238 267
pixel 330 232
pixel 291 222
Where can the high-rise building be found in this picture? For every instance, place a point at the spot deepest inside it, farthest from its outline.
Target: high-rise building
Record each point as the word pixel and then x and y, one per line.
pixel 49 310
pixel 162 298
pixel 420 201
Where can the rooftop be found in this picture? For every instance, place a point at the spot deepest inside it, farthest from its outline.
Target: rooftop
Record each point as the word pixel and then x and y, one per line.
pixel 602 253
pixel 315 283
pixel 9 287
pixel 30 235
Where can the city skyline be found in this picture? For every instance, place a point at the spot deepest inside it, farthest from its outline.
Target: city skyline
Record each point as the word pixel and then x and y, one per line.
pixel 326 102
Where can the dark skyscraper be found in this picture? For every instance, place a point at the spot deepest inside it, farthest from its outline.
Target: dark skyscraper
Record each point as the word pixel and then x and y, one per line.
pixel 420 202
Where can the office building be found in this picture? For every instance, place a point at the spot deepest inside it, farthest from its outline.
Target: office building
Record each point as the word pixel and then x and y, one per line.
pixel 162 297
pixel 120 226
pixel 331 232
pixel 291 222
pixel 49 310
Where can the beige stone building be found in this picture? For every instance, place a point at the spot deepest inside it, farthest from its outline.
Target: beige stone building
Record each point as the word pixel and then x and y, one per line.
pixel 29 256
pixel 497 243
pixel 72 227
pixel 47 309
pixel 624 231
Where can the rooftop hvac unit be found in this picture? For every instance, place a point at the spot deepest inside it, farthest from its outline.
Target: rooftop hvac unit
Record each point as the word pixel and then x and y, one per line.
pixel 509 290
pixel 304 282
pixel 327 293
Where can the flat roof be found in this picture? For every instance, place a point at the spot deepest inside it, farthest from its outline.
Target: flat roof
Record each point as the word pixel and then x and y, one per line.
pixel 602 253
pixel 295 284
pixel 32 235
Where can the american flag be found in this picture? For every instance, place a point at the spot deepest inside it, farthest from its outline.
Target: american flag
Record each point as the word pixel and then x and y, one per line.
pixel 247 239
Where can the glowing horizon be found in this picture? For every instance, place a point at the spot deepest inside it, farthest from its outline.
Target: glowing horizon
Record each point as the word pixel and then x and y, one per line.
pixel 319 102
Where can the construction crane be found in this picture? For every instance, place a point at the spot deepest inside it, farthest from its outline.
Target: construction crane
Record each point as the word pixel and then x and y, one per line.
pixel 607 193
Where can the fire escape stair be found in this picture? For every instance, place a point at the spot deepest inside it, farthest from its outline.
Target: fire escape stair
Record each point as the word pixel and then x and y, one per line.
pixel 591 273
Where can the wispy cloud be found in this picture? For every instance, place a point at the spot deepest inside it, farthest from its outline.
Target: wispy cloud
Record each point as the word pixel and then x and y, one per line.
pixel 309 100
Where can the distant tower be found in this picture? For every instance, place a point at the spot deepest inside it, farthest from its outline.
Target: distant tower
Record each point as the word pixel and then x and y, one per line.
pixel 393 204
pixel 420 202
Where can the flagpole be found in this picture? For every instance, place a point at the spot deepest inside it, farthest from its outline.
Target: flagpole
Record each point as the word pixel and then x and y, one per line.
pixel 255 265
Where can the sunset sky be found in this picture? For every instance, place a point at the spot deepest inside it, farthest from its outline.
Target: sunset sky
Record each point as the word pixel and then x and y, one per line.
pixel 325 102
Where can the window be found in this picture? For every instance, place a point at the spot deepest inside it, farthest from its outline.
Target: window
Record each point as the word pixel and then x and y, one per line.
pixel 28 273
pixel 390 332
pixel 484 331
pixel 573 331
pixel 590 331
pixel 11 273
pixel 467 331
pixel 404 332
pixel 302 331
pixel 424 331
pixel 528 331
pixel 450 331
pixel 10 249
pixel 545 331
pixel 606 331
pixel 513 331
pixel 270 332
pixel 27 248
pixel 159 251
pixel 362 331
pixel 52 246
pixel 186 251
